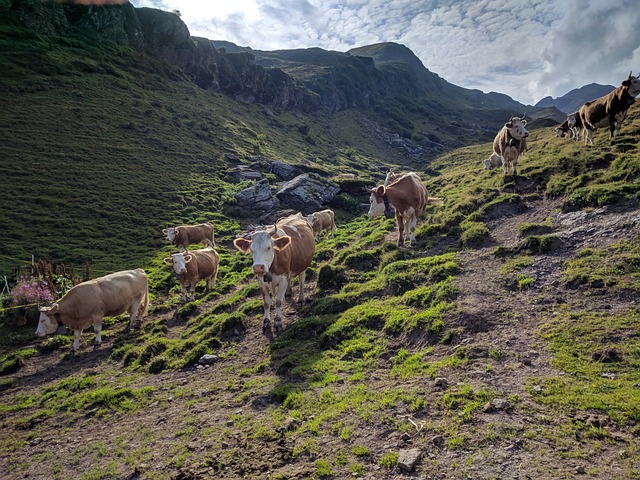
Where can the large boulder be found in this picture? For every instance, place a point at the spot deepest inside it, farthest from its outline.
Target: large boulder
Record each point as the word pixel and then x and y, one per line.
pixel 307 192
pixel 256 198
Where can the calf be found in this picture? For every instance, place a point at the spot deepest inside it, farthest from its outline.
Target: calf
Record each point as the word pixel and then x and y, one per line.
pixel 89 302
pixel 194 266
pixel 566 128
pixel 185 235
pixel 509 144
pixel 279 253
pixel 323 220
pixel 610 109
pixel 407 196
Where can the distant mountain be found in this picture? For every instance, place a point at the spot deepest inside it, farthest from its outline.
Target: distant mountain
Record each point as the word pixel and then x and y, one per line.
pixel 387 81
pixel 573 100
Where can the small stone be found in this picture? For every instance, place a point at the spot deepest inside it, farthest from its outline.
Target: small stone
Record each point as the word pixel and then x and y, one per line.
pixel 408 459
pixel 208 359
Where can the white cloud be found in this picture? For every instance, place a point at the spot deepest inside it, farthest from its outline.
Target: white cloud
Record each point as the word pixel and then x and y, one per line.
pixel 526 49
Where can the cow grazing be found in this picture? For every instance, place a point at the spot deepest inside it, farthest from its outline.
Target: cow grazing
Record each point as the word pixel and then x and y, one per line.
pixel 192 267
pixel 279 253
pixel 610 109
pixel 407 195
pixel 508 145
pixel 321 221
pixel 577 126
pixel 89 302
pixel 185 235
pixel 566 128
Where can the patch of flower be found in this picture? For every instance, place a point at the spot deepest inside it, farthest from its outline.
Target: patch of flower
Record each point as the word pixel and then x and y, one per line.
pixel 30 290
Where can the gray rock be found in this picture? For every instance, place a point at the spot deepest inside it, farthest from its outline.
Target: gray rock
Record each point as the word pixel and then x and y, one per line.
pixel 208 359
pixel 257 197
pixel 408 459
pixel 283 170
pixel 307 192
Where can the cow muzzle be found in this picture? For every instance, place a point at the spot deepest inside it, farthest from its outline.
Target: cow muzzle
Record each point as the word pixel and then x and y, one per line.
pixel 259 270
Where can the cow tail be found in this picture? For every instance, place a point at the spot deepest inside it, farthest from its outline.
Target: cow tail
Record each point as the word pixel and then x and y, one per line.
pixel 145 304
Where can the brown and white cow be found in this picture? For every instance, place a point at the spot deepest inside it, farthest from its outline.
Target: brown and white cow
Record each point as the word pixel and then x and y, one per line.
pixel 609 110
pixel 194 266
pixel 279 254
pixel 509 144
pixel 405 194
pixel 566 128
pixel 321 221
pixel 89 302
pixel 185 235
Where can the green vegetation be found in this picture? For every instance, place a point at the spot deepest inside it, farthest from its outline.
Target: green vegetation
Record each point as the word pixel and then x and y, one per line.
pixel 103 147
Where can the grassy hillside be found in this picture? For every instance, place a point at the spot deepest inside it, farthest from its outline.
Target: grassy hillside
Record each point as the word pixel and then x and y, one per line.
pixel 505 344
pixel 104 147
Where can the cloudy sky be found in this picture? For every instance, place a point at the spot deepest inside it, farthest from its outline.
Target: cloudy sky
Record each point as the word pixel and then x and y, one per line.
pixel 527 49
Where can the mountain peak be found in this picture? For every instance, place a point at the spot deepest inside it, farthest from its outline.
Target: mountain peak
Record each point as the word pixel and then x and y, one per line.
pixel 389 52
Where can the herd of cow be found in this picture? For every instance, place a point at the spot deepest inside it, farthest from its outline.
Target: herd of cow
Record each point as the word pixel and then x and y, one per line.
pixel 609 110
pixel 280 252
pixel 285 250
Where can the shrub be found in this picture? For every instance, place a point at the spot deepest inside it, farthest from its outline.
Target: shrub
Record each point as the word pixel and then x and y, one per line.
pixel 30 290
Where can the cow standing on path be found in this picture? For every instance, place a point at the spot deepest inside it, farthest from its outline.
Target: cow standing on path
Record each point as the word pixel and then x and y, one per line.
pixel 89 302
pixel 321 221
pixel 279 253
pixel 509 144
pixel 408 196
pixel 192 267
pixel 610 109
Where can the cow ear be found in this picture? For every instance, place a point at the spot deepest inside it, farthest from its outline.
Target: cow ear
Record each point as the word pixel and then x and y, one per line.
pixel 281 243
pixel 52 310
pixel 508 124
pixel 626 83
pixel 187 258
pixel 168 260
pixel 380 191
pixel 164 231
pixel 242 244
pixel 524 122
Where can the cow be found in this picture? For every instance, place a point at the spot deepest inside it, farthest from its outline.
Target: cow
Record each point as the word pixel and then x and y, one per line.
pixel 577 125
pixel 408 196
pixel 323 220
pixel 610 109
pixel 185 235
pixel 566 128
pixel 192 267
pixel 89 302
pixel 509 144
pixel 280 253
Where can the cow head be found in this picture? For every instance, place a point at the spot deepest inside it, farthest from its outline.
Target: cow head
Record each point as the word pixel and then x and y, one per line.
pixel 633 85
pixel 179 262
pixel 516 128
pixel 263 246
pixel 377 204
pixel 311 219
pixel 47 323
pixel 170 233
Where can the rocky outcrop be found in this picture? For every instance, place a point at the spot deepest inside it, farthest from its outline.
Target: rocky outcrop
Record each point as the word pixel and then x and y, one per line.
pixel 307 192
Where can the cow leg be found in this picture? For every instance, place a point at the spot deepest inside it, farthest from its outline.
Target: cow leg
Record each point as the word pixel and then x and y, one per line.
pixel 412 230
pixel 282 285
pixel 266 302
pixel 514 162
pixel 134 313
pixel 76 341
pixel 97 327
pixel 400 223
pixel 301 278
